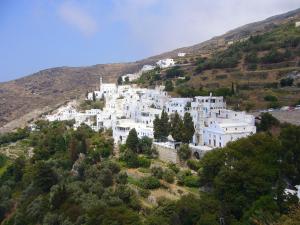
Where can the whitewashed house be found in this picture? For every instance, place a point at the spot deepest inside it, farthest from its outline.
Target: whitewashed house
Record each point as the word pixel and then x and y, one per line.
pixel 131 77
pixel 181 54
pixel 127 107
pixel 147 68
pixel 165 63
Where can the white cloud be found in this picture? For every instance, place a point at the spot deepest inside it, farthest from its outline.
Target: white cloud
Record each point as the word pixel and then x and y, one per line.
pixel 163 25
pixel 78 18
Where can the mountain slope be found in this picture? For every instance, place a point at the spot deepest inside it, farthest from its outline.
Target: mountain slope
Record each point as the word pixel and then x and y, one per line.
pixel 52 87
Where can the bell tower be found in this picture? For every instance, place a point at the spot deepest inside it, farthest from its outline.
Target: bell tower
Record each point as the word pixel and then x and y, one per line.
pixel 100 85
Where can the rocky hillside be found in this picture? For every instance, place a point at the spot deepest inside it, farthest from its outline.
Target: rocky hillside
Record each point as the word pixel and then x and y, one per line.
pixel 28 97
pixel 51 87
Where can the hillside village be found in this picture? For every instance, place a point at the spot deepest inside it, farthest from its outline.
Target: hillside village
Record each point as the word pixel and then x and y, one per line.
pixel 129 106
pixel 164 140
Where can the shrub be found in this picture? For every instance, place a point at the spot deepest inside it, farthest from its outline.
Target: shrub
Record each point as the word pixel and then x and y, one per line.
pixel 286 82
pixel 274 105
pixel 130 158
pixel 149 183
pixel 122 178
pixel 193 164
pixel 157 172
pixel 144 162
pixel 168 176
pixel 174 72
pixel 181 176
pixel 169 85
pixel 173 167
pixel 191 181
pixel 184 152
pixel 270 98
pixel 144 193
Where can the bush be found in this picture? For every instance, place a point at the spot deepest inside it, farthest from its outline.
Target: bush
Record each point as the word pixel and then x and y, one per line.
pixel 274 105
pixel 157 172
pixel 144 162
pixel 145 144
pixel 286 82
pixel 270 98
pixel 122 178
pixel 184 152
pixel 174 72
pixel 169 85
pixel 168 176
pixel 181 176
pixel 174 167
pixel 149 183
pixel 193 164
pixel 191 181
pixel 130 158
pixel 144 193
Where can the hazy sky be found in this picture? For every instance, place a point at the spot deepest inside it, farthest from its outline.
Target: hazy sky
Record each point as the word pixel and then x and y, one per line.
pixel 38 34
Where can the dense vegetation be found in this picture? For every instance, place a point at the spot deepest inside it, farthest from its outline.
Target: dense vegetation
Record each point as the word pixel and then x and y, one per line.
pixel 73 178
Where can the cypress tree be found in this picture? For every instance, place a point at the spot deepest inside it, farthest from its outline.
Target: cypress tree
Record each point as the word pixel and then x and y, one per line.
pixel 156 128
pixel 176 127
pixel 164 125
pixel 188 128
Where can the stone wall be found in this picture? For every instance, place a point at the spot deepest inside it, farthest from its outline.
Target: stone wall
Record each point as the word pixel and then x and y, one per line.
pixel 166 153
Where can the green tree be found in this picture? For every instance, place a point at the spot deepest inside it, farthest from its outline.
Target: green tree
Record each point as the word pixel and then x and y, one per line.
pixel 156 128
pixel 120 81
pixel 169 85
pixel 43 176
pixel 132 141
pixel 177 127
pixel 164 122
pixel 184 152
pixel 188 128
pixel 267 121
pixel 290 140
pixel 161 126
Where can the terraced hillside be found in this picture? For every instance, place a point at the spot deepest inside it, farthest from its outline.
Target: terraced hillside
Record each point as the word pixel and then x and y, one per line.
pixel 257 72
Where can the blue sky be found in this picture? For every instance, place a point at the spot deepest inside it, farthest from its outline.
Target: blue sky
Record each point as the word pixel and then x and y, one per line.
pixel 39 34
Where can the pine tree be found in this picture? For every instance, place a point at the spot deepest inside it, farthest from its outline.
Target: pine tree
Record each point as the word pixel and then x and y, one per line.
pixel 188 128
pixel 94 96
pixel 132 141
pixel 176 127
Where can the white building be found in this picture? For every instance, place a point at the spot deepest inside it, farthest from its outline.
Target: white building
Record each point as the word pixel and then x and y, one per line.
pixel 181 54
pixel 147 68
pixel 131 77
pixel 297 24
pixel 128 107
pixel 165 63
